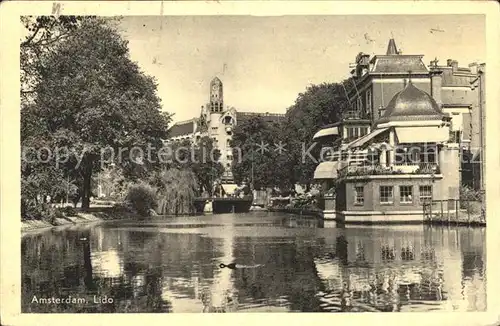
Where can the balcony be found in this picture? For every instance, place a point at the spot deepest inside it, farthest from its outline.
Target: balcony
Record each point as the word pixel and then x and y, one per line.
pixel 377 169
pixel 355 115
pixel 351 115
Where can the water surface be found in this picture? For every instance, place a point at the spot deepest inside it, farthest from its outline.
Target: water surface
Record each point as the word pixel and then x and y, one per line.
pixel 172 265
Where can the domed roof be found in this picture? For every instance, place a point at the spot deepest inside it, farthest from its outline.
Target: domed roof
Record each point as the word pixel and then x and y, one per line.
pixel 411 104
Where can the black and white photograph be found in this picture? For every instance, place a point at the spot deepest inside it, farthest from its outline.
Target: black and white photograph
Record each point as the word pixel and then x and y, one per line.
pixel 222 163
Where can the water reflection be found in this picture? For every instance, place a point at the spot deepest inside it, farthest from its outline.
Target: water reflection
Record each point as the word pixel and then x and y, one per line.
pixel 172 266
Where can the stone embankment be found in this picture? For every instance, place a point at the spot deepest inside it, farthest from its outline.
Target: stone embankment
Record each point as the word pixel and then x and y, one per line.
pixel 80 218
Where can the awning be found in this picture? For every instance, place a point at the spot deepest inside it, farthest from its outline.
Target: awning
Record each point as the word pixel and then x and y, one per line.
pixel 332 131
pixel 326 170
pixel 431 134
pixel 363 140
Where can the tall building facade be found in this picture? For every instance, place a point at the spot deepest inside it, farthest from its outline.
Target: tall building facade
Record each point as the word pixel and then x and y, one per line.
pixel 217 121
pixel 458 91
pixel 400 143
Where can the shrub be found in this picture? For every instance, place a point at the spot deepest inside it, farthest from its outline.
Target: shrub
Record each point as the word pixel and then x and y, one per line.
pixel 142 198
pixel 469 194
pixel 69 211
pixel 122 207
pixel 40 212
pixel 59 213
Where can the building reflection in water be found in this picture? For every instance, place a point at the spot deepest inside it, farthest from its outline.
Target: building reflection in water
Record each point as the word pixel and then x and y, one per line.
pixel 395 270
pixel 304 268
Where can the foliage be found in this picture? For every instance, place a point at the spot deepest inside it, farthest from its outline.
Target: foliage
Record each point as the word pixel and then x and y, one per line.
pixel 43 34
pixel 87 95
pixel 425 168
pixel 265 168
pixel 69 211
pixel 318 106
pixel 356 171
pixel 142 198
pixel 176 190
pixel 202 158
pixel 331 192
pixel 306 202
pixel 470 194
pixel 59 213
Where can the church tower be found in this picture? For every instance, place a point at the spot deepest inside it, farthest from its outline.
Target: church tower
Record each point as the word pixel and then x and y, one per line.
pixel 216 96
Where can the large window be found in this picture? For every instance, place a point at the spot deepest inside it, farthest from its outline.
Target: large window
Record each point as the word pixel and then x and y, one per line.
pixel 386 195
pixel 428 154
pixel 359 195
pixel 425 193
pixel 415 155
pixel 406 194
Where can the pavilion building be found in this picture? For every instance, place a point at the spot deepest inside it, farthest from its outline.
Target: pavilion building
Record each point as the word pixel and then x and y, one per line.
pixel 403 139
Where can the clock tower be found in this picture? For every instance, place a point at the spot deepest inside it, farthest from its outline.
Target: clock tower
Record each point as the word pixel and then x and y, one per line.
pixel 216 96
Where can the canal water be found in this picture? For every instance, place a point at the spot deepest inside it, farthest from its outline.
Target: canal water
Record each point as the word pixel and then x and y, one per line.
pixel 289 263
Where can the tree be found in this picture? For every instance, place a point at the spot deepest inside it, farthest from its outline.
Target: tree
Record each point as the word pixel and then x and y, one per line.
pixel 43 34
pixel 206 166
pixel 91 98
pixel 318 106
pixel 256 138
pixel 201 158
pixel 176 190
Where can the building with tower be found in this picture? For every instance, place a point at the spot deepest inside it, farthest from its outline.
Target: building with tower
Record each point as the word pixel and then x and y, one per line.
pixel 217 121
pixel 413 132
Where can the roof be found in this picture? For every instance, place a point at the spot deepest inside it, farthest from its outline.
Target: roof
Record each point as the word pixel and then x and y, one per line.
pixel 399 63
pixel 411 104
pixel 267 117
pixel 216 80
pixel 182 128
pixel 391 47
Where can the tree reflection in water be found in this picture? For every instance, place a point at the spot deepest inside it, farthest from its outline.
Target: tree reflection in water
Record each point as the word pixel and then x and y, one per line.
pixel 304 268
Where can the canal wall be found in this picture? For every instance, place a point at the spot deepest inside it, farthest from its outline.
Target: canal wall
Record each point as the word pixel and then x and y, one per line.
pixel 80 218
pixel 298 211
pixel 94 215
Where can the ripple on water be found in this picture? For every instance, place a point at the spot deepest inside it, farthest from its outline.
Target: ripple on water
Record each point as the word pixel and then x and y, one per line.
pixel 173 266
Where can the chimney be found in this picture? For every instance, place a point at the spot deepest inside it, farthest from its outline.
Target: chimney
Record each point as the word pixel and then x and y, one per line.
pixel 448 62
pixel 436 84
pixel 454 65
pixel 473 68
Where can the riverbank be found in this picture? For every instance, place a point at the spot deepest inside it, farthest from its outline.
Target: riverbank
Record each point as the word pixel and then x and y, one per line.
pixel 93 215
pixel 37 225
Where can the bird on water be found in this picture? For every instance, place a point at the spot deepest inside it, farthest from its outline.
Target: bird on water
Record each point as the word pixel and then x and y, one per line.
pixel 236 266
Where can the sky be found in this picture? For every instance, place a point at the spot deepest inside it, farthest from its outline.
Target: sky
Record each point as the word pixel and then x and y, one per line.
pixel 265 62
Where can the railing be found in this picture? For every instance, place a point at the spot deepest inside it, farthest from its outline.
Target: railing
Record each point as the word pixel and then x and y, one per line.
pixel 419 168
pixel 351 115
pixel 454 211
pixel 377 169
